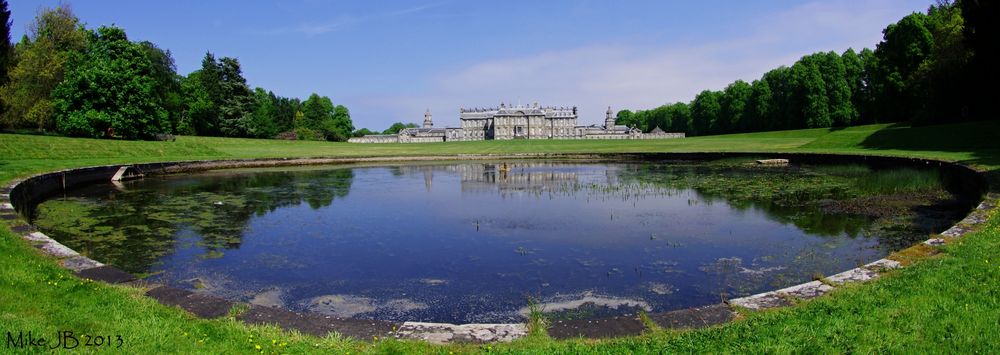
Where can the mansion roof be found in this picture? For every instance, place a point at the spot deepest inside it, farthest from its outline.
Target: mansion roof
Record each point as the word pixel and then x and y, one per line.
pixel 519 110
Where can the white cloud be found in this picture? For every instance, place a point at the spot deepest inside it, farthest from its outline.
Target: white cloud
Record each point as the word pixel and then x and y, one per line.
pixel 628 76
pixel 340 22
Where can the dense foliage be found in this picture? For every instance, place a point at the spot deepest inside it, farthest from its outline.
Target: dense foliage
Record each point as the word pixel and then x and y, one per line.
pixel 398 126
pixel 929 68
pixel 109 90
pixel 74 81
pixel 6 49
pixel 37 68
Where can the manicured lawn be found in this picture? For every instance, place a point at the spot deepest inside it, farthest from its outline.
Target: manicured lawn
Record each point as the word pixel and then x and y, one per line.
pixel 948 303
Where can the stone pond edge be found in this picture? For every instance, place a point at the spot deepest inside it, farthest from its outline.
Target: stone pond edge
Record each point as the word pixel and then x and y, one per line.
pixel 204 306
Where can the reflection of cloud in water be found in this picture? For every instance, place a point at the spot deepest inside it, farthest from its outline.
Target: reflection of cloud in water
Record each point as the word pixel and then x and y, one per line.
pixel 340 305
pixel 350 306
pixel 402 305
pixel 269 298
pixel 661 288
pixel 734 265
pixel 434 282
pixel 569 302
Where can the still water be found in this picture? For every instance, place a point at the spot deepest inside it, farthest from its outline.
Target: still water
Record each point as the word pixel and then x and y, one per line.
pixel 474 241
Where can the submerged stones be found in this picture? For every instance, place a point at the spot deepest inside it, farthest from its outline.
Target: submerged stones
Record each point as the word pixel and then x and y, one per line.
pixel 350 305
pixel 440 333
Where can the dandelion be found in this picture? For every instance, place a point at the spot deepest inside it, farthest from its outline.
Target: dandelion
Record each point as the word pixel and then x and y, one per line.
pixel 257 347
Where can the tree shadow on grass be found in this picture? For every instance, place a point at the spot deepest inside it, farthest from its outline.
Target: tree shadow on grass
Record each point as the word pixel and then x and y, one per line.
pixel 980 139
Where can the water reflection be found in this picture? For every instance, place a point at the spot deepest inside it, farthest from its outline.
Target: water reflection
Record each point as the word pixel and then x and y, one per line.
pixel 471 242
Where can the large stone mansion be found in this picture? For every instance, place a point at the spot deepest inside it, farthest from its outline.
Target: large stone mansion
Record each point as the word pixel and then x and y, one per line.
pixel 515 122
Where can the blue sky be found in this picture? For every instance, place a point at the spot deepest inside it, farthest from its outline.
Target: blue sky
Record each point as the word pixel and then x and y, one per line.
pixel 389 60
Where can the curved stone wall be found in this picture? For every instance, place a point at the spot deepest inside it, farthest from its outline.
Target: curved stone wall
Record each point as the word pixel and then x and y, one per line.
pixel 17 199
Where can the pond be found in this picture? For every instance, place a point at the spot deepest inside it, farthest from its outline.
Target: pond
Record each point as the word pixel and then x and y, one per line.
pixel 474 242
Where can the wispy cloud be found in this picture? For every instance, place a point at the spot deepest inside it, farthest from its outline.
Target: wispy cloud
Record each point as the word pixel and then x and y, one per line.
pixel 412 10
pixel 630 76
pixel 310 29
pixel 340 22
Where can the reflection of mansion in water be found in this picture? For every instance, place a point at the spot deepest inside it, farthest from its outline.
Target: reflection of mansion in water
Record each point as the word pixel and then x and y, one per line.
pixel 514 178
pixel 515 122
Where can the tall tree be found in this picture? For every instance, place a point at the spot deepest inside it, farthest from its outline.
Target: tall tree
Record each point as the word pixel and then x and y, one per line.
pixel 854 78
pixel 342 125
pixel 905 45
pixel 733 106
pixel 982 36
pixel 52 38
pixel 110 89
pixel 705 110
pixel 758 111
pixel 315 111
pixel 264 114
pixel 6 48
pixel 809 99
pixel 780 110
pixel 236 103
pixel 203 94
pixel 625 117
pixel 941 80
pixel 333 122
pixel 680 117
pixel 168 84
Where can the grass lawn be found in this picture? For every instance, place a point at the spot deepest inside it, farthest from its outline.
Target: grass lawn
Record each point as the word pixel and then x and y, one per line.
pixel 947 303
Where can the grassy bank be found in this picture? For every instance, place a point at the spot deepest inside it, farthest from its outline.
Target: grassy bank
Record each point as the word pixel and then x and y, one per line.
pixel 948 303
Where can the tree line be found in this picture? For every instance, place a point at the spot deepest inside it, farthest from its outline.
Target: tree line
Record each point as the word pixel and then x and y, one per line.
pixel 932 67
pixel 62 77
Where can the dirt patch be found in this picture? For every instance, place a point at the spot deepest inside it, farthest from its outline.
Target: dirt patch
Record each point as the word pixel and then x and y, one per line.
pixel 880 206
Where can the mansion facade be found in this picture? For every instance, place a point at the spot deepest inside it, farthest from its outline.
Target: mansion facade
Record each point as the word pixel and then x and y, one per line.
pixel 515 122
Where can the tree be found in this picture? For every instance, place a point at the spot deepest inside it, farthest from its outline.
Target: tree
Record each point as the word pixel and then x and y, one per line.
pixel 809 97
pixel 41 56
pixel 782 93
pixel 759 106
pixel 981 34
pixel 626 118
pixel 168 84
pixel 941 79
pixel 198 117
pixel 905 45
pixel 6 48
pixel 203 95
pixel 263 116
pixel 362 132
pixel 315 111
pixel 838 91
pixel 855 79
pixel 285 111
pixel 680 117
pixel 342 125
pixel 733 107
pixel 236 104
pixel 333 122
pixel 398 126
pixel 705 110
pixel 108 88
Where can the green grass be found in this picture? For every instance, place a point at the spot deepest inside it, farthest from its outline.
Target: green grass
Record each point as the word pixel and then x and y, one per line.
pixel 948 303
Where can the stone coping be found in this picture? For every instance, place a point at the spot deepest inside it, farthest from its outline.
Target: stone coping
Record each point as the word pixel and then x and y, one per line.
pixel 20 194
